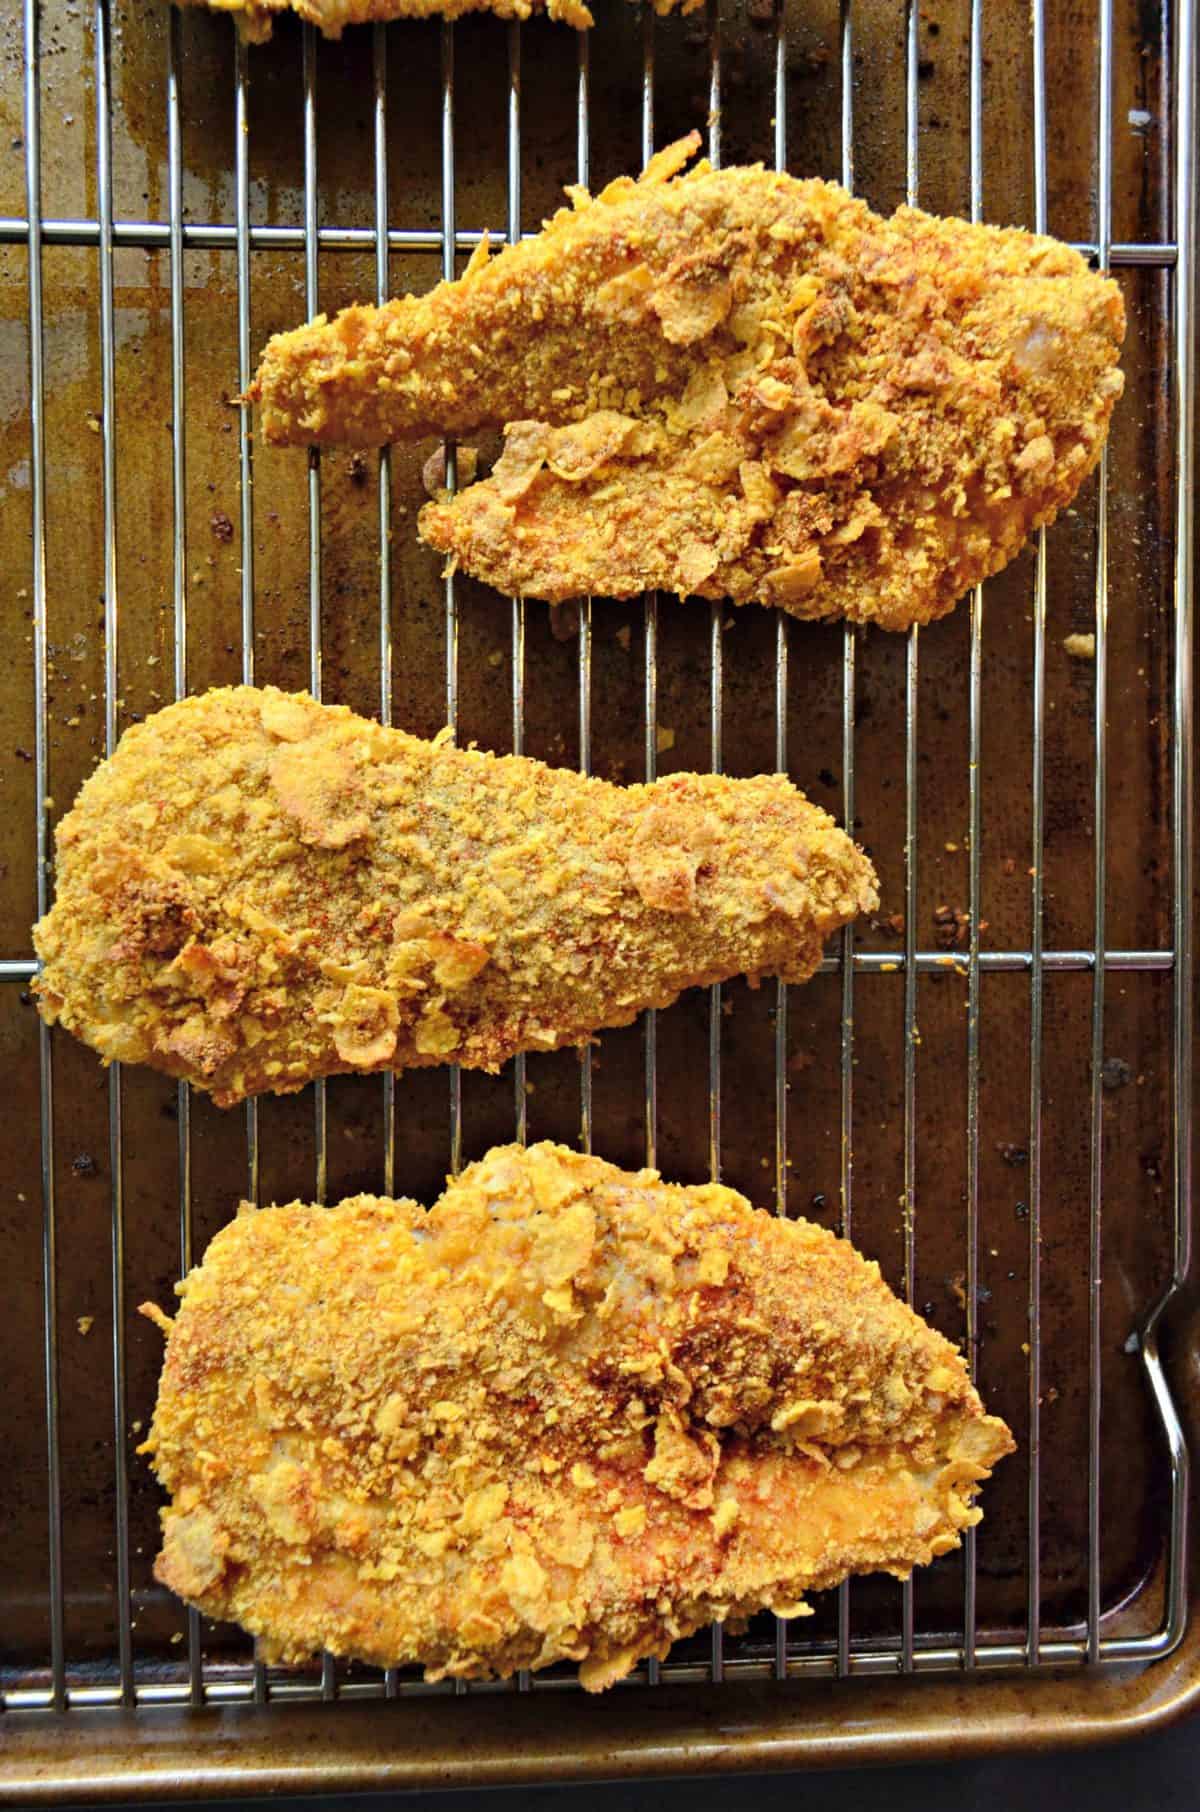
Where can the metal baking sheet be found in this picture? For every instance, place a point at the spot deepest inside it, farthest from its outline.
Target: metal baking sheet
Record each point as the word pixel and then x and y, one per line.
pixel 987 1086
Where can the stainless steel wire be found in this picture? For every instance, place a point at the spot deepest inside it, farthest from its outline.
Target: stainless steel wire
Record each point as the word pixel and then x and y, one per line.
pixel 213 235
pixel 650 694
pixel 178 391
pixel 241 189
pixel 450 591
pixel 1100 849
pixel 520 1090
pixel 715 724
pixel 57 1694
pixel 849 651
pixel 384 480
pixel 520 1094
pixel 974 901
pixel 1182 808
pixel 1033 1609
pixel 911 675
pixel 315 663
pixel 183 1098
pixel 883 962
pixel 650 641
pixel 867 1661
pixel 241 167
pixel 513 229
pixel 585 767
pixel 582 161
pixel 108 458
pixel 911 1040
pixel 1183 775
pixel 391 1676
pixel 650 740
pixel 520 1078
pixel 781 765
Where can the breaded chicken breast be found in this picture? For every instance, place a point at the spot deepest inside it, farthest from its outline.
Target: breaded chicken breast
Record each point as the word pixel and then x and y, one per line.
pixel 736 385
pixel 571 1413
pixel 257 890
pixel 255 18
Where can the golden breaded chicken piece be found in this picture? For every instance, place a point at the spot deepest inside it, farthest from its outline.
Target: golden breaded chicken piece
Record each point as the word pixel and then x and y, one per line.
pixel 255 18
pixel 571 1413
pixel 257 890
pixel 735 384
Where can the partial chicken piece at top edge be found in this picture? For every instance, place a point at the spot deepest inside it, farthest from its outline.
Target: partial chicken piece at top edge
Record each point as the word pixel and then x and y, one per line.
pixel 572 1413
pixel 739 385
pixel 257 890
pixel 256 18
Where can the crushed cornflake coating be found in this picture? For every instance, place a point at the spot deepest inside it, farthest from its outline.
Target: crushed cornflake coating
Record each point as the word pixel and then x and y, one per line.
pixel 256 18
pixel 572 1413
pixel 734 384
pixel 257 890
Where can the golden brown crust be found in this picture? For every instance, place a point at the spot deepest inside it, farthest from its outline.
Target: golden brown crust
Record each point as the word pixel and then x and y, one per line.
pixel 256 18
pixel 735 384
pixel 570 1413
pixel 257 890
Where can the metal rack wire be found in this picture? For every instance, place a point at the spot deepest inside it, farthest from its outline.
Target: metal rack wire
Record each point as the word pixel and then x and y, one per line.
pixel 848 1653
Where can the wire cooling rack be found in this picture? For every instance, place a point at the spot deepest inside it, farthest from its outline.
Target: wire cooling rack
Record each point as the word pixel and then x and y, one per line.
pixel 1096 1622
